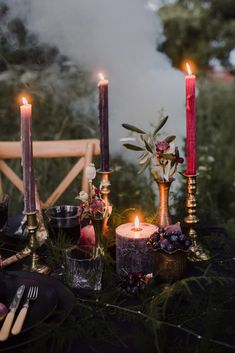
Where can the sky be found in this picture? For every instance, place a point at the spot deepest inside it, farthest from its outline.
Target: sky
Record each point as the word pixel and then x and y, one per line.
pixel 118 38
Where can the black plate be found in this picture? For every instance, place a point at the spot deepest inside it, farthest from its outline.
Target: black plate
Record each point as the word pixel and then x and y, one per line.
pixel 65 304
pixel 40 309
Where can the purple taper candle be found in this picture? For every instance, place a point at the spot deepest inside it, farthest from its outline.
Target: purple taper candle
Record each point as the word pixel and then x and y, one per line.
pixel 104 123
pixel 27 157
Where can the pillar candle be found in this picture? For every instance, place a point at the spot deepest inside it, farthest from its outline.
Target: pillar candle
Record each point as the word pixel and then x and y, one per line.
pixel 27 157
pixel 132 251
pixel 190 81
pixel 104 124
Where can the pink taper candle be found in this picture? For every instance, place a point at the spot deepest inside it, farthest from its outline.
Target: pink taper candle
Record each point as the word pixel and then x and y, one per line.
pixel 191 155
pixel 27 156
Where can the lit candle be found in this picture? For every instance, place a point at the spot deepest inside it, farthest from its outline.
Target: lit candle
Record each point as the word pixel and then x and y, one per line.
pixel 190 81
pixel 27 156
pixel 132 251
pixel 104 124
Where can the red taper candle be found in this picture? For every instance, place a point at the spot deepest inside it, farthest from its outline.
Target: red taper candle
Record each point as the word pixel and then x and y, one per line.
pixel 104 124
pixel 191 155
pixel 27 157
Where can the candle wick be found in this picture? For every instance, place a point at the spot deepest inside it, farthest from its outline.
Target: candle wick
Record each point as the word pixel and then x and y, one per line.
pixel 136 229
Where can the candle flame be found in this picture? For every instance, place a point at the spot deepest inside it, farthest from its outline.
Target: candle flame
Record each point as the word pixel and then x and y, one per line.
pixel 101 76
pixel 24 101
pixel 189 70
pixel 137 223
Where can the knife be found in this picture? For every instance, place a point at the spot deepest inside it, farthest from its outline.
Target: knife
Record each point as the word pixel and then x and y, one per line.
pixel 6 327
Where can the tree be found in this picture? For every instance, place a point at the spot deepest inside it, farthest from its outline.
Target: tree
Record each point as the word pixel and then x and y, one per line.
pixel 201 30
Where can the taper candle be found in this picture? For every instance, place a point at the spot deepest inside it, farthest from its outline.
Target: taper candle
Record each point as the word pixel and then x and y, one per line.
pixel 27 157
pixel 104 124
pixel 132 251
pixel 190 81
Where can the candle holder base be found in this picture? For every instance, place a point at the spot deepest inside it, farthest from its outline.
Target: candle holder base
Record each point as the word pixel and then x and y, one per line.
pixel 197 253
pixel 32 226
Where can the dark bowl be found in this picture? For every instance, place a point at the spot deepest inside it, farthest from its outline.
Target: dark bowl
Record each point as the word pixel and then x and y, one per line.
pixel 64 220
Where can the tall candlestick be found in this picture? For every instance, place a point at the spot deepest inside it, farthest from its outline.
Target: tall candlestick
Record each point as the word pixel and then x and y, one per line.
pixel 190 81
pixel 104 124
pixel 27 157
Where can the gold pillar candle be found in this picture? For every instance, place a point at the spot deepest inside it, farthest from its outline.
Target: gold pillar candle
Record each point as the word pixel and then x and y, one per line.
pixel 132 251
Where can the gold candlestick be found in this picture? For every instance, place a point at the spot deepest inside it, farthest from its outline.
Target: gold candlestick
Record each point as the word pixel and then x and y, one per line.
pixel 105 191
pixel 191 219
pixel 32 226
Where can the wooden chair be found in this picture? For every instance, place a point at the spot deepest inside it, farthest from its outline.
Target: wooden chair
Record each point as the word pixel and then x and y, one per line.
pixel 84 150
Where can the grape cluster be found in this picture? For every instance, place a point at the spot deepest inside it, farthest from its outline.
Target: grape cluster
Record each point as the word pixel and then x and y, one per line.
pixel 169 241
pixel 133 283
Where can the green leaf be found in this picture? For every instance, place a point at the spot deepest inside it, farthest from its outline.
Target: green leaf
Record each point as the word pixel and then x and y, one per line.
pixel 177 154
pixel 173 163
pixel 160 125
pixel 142 155
pixel 155 175
pixel 133 128
pixel 148 148
pixel 144 167
pixel 169 139
pixel 169 157
pixel 133 147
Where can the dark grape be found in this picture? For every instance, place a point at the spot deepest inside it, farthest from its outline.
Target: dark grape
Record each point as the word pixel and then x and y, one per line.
pixel 174 237
pixel 170 247
pixel 187 243
pixel 182 237
pixel 161 230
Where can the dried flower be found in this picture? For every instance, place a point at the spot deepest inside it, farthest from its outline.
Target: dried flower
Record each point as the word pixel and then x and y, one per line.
pixel 92 204
pixel 90 171
pixel 83 196
pixel 162 146
pixel 161 156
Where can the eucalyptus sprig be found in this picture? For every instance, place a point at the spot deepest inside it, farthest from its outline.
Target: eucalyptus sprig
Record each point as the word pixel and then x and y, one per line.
pixel 161 156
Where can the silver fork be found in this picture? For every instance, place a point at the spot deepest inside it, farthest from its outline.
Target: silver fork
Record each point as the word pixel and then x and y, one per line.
pixel 32 295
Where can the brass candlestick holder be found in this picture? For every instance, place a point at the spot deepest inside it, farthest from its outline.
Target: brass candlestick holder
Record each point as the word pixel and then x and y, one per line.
pixel 191 219
pixel 105 191
pixel 32 226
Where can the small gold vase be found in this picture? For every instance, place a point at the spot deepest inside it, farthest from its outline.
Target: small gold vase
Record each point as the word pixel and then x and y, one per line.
pixel 163 217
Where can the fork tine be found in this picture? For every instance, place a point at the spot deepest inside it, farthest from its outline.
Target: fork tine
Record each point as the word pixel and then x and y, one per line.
pixel 36 295
pixel 30 292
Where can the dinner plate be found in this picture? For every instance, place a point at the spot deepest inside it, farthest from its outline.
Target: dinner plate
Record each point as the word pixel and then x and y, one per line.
pixel 39 309
pixel 38 325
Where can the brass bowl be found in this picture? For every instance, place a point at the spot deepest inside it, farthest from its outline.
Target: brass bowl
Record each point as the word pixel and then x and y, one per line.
pixel 170 267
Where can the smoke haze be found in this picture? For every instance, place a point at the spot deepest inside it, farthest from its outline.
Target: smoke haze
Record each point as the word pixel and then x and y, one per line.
pixel 118 38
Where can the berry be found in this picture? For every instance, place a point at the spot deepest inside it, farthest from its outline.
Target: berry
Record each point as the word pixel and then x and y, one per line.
pixel 170 247
pixel 134 290
pixel 164 243
pixel 161 230
pixel 182 237
pixel 139 276
pixel 174 237
pixel 187 243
